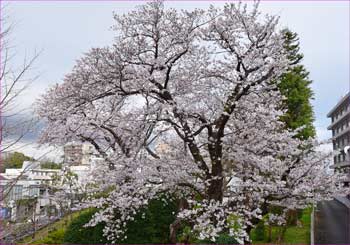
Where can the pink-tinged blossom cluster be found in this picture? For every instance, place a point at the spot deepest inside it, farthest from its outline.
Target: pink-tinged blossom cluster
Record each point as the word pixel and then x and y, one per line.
pixel 201 84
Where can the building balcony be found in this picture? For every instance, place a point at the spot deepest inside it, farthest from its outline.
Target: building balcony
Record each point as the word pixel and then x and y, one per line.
pixel 341 133
pixel 343 116
pixel 340 102
pixel 345 163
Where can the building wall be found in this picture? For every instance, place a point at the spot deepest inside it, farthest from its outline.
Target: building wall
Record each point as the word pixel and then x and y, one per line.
pixel 77 154
pixel 25 193
pixel 73 154
pixel 340 126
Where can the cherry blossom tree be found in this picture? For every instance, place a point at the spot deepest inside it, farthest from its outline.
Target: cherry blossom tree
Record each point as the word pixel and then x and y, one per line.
pixel 202 83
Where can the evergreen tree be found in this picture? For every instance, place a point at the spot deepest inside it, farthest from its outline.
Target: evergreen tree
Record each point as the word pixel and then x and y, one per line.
pixel 295 86
pixel 48 164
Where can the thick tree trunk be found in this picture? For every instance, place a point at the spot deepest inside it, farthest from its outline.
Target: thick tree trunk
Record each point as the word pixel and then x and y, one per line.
pixel 174 227
pixel 292 217
pixel 215 190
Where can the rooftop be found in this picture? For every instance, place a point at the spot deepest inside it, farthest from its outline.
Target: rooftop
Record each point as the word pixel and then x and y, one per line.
pixel 341 101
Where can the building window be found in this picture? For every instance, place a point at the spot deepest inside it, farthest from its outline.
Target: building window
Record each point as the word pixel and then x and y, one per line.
pixel 42 210
pixel 33 191
pixel 17 192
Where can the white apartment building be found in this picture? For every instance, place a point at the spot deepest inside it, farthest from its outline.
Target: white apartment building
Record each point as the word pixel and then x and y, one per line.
pixel 31 182
pixel 340 126
pixel 24 191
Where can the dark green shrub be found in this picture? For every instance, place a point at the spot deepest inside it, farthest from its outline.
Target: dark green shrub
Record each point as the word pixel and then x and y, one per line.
pixel 259 231
pixel 76 233
pixel 226 239
pixel 153 228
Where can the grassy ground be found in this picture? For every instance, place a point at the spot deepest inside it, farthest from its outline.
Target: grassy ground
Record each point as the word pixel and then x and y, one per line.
pixel 300 235
pixel 51 234
pixel 293 235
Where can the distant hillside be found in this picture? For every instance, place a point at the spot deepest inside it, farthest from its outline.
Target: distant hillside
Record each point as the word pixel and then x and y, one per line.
pixel 16 159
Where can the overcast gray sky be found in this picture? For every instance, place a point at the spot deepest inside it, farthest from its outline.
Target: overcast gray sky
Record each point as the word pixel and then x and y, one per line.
pixel 65 30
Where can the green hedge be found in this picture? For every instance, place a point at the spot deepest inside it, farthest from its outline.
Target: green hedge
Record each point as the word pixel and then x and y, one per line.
pixel 76 233
pixel 153 228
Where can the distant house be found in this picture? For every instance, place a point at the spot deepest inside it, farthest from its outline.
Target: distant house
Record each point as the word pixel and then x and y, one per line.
pixel 340 126
pixel 24 191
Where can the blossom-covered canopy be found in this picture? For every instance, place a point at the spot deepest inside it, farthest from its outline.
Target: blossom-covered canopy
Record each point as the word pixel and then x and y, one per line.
pixel 185 104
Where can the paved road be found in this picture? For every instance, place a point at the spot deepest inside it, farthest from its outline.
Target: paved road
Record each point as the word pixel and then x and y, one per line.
pixel 332 223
